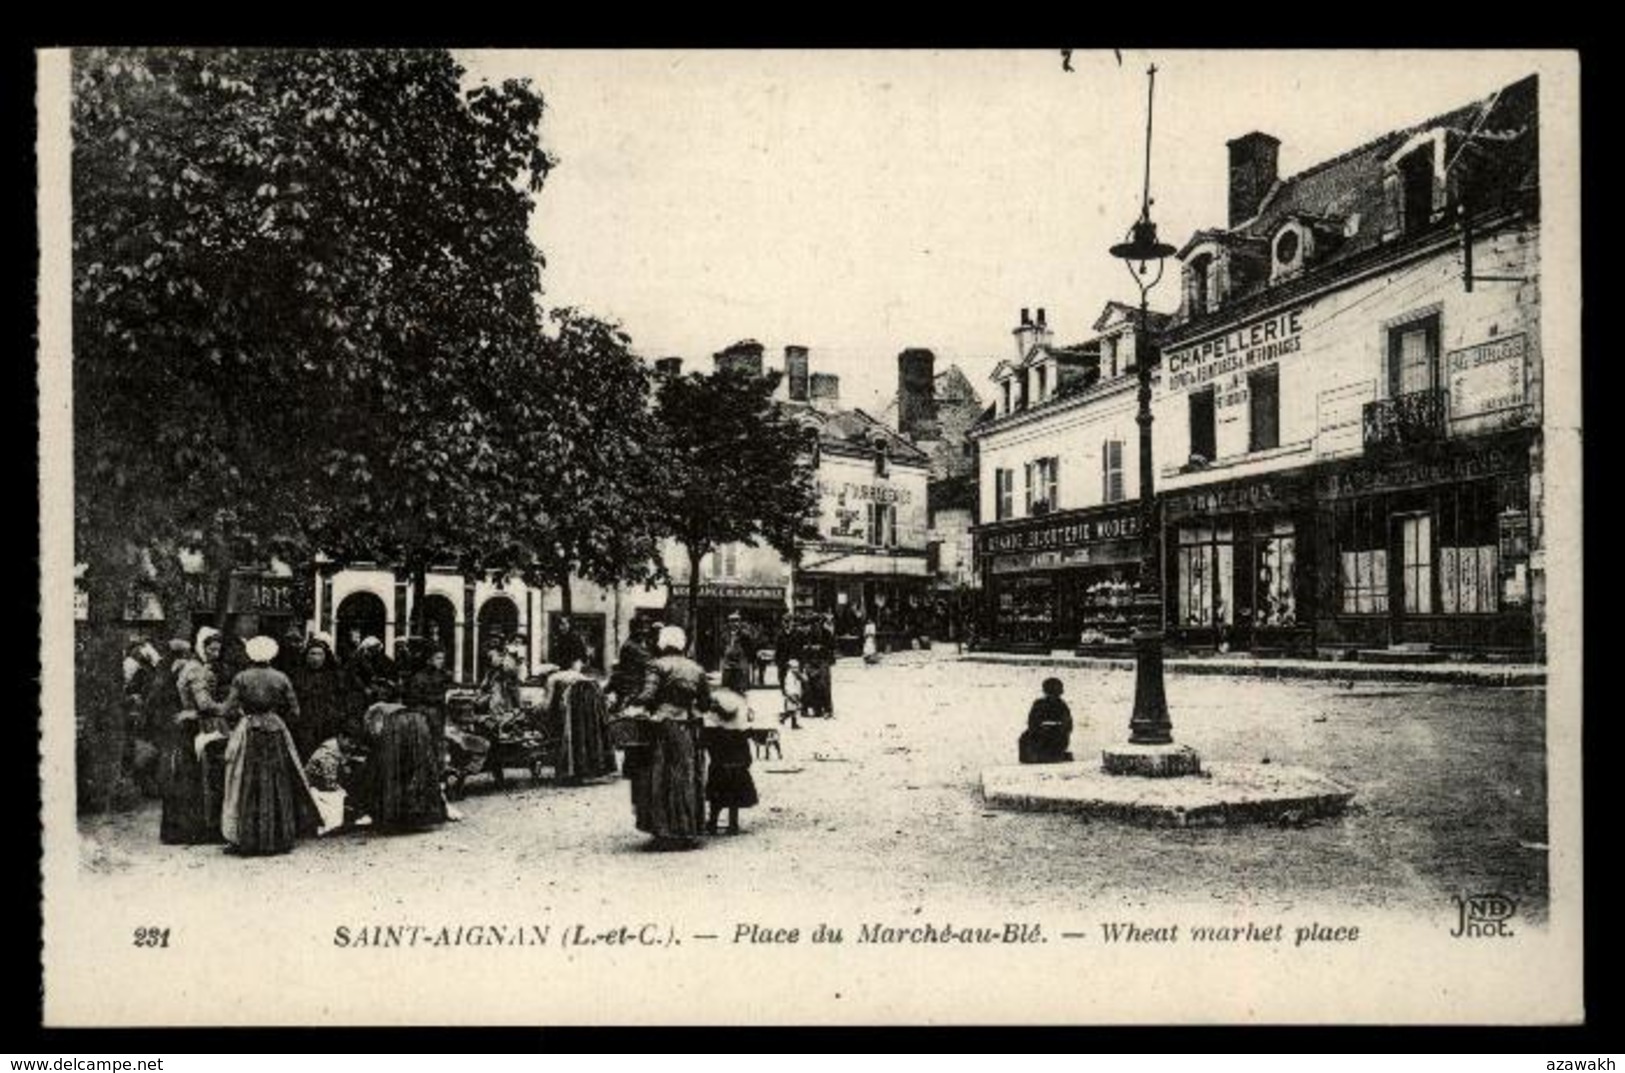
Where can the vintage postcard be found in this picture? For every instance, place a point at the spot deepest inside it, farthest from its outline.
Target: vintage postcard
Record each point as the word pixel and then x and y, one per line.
pixel 794 537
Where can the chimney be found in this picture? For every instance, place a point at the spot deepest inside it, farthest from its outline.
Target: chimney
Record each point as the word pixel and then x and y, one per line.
pixel 669 366
pixel 795 372
pixel 744 356
pixel 916 393
pixel 1252 173
pixel 1030 333
pixel 825 392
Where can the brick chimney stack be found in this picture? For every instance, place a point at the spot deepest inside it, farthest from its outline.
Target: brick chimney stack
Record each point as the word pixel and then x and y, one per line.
pixel 916 393
pixel 795 372
pixel 1253 163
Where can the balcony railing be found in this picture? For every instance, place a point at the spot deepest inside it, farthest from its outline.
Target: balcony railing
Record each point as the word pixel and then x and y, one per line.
pixel 1406 420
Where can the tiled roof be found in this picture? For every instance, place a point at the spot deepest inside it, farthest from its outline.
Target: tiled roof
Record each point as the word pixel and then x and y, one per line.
pixel 856 429
pixel 1494 138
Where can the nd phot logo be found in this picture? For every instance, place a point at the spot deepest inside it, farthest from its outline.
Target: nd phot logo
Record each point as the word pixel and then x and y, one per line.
pixel 1484 916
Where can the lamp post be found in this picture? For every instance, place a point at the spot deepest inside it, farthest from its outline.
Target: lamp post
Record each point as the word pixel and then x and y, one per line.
pixel 1150 724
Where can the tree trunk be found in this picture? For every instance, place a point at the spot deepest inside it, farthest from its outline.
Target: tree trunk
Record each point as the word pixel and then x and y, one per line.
pixel 564 593
pixel 692 629
pixel 420 591
pixel 100 729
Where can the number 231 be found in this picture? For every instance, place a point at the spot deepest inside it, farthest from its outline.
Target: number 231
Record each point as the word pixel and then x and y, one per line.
pixel 151 937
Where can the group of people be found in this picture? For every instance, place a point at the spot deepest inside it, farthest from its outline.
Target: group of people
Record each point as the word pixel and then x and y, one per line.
pixel 687 747
pixel 290 744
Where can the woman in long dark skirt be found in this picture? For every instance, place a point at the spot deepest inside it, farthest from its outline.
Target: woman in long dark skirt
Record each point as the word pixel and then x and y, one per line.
pixel 180 776
pixel 268 805
pixel 402 779
pixel 319 686
pixel 668 785
pixel 195 779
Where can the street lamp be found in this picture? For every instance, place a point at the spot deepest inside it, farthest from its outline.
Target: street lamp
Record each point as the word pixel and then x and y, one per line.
pixel 1151 737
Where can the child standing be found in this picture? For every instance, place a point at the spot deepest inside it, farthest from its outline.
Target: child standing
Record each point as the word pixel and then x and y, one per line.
pixel 726 737
pixel 794 686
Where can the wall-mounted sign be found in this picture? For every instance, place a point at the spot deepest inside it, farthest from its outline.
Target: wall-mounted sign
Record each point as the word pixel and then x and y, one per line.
pixel 1066 533
pixel 1488 378
pixel 1238 351
pixel 849 491
pixel 1270 493
pixel 1412 474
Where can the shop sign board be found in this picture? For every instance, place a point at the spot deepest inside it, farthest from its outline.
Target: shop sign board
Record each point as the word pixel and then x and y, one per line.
pixel 1488 378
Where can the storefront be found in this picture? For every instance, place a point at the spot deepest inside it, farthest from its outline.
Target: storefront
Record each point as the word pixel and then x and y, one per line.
pixel 1063 580
pixel 1429 549
pixel 902 605
pixel 760 607
pixel 1238 558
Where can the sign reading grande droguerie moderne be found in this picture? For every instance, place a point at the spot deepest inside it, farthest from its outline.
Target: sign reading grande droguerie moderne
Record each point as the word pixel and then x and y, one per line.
pixel 1242 349
pixel 1065 533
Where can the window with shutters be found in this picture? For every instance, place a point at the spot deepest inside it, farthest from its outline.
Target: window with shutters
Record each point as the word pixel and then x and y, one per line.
pixel 1111 471
pixel 883 525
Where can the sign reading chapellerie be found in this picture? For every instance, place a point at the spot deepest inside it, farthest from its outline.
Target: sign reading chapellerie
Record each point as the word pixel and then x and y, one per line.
pixel 1240 350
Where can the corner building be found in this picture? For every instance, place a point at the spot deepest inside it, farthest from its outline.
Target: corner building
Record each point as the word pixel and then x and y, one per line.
pixel 1348 414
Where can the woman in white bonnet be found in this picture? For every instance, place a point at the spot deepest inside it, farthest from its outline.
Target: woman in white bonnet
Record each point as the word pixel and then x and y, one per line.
pixel 668 788
pixel 268 805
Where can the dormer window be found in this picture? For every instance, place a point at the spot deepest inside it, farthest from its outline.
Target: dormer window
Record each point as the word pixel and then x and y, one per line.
pixel 1290 251
pixel 882 458
pixel 1108 355
pixel 1042 391
pixel 1199 283
pixel 1412 183
pixel 1416 186
pixel 1008 396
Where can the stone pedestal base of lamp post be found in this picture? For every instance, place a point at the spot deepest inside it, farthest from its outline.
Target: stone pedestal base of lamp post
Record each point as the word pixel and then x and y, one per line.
pixel 1151 761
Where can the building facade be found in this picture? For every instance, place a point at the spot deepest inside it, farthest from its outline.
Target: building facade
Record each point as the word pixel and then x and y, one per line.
pixel 1348 427
pixel 1057 546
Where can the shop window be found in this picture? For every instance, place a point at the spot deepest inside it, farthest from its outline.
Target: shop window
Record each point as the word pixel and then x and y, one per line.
pixel 1469 547
pixel 1362 544
pixel 1203 438
pixel 883 525
pixel 1275 563
pixel 1264 406
pixel 1206 557
pixel 1413 357
pixel 1416 562
pixel 1111 466
pixel 1004 492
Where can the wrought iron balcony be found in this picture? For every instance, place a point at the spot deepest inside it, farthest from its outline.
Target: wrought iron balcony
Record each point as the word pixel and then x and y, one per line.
pixel 1406 420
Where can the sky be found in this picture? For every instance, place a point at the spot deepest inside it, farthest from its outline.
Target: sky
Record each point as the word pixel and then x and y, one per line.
pixel 859 203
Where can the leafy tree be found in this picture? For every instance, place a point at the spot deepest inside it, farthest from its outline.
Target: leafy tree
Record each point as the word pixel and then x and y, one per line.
pixel 733 469
pixel 583 493
pixel 303 287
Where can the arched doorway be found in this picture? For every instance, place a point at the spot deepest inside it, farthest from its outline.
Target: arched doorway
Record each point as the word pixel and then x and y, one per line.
pixel 360 614
pixel 498 622
pixel 440 624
